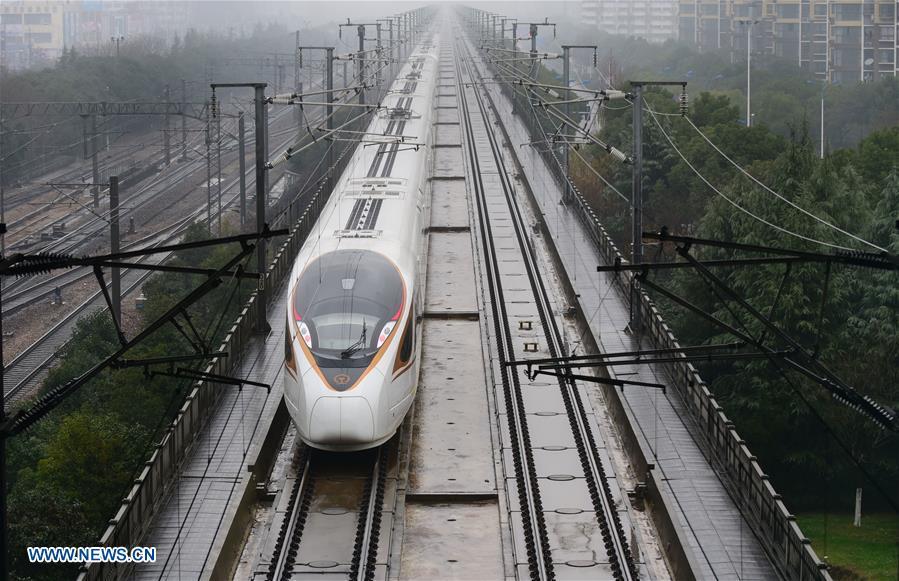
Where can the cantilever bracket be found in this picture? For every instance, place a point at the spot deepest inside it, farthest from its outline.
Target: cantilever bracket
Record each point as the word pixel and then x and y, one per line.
pixel 98 272
pixel 184 373
pixel 620 383
pixel 168 360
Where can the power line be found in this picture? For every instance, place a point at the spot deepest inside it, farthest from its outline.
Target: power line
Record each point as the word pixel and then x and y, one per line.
pixel 599 175
pixel 779 196
pixel 729 200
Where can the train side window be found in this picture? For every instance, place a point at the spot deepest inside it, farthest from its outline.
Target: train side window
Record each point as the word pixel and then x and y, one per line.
pixel 408 344
pixel 288 347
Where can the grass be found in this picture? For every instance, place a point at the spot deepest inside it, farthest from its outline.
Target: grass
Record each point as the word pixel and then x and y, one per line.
pixel 867 552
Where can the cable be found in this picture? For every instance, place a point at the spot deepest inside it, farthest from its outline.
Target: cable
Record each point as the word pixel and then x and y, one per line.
pixel 729 200
pixel 599 175
pixel 779 196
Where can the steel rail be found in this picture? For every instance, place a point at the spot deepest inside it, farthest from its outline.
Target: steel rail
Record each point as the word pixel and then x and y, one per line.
pixel 292 529
pixel 365 548
pixel 291 534
pixel 539 563
pixel 98 229
pixel 615 538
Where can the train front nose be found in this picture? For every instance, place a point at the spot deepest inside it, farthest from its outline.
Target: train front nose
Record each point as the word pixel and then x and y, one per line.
pixel 341 420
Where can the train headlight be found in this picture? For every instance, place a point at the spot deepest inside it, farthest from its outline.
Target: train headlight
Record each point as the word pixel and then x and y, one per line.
pixel 305 334
pixel 385 332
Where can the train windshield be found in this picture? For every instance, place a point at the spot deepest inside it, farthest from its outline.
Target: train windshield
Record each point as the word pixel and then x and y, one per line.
pixel 346 304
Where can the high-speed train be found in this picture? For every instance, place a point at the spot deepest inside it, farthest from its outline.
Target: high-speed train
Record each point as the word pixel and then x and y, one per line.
pixel 357 286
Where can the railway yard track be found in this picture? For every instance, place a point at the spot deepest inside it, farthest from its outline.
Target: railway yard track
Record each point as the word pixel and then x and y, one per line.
pixel 23 230
pixel 26 368
pixel 18 294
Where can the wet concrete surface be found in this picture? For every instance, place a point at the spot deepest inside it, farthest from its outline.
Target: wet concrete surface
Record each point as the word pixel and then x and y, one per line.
pixel 577 547
pixel 450 271
pixel 448 163
pixel 452 541
pixel 452 522
pixel 452 449
pixel 718 534
pixel 446 211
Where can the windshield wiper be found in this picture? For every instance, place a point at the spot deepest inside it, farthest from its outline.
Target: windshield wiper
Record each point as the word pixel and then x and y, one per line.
pixel 346 353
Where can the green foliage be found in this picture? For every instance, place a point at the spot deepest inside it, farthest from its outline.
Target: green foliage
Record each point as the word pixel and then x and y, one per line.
pixel 79 461
pixel 92 451
pixel 42 514
pixel 857 334
pixel 860 323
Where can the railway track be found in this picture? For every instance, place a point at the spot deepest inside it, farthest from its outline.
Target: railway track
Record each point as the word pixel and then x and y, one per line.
pixel 39 219
pixel 518 299
pixel 95 225
pixel 26 367
pixel 18 294
pixel 21 293
pixel 330 517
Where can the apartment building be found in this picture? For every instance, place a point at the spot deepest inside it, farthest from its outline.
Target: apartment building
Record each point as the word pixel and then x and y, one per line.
pixel 841 41
pixel 654 20
pixel 30 31
pixel 37 31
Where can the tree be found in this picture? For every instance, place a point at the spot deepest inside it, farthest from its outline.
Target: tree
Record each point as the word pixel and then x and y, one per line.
pixel 878 154
pixel 42 514
pixel 89 459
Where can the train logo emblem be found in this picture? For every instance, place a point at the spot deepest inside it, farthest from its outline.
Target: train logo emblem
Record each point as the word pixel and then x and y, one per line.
pixel 341 379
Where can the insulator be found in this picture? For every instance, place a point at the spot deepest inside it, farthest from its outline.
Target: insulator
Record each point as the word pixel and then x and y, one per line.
pixel 684 102
pixel 613 94
pixel 618 154
pixel 213 105
pixel 41 263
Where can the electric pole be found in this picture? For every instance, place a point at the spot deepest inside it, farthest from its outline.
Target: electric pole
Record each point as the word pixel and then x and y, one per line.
pixel 329 110
pixel 329 95
pixel 183 122
pixel 165 133
pixel 114 243
pixel 637 180
pixel 260 108
pixel 208 171
pixel 360 56
pixel 566 129
pixel 241 156
pixel 95 164
pixel 261 182
pixel 218 168
pixel 534 26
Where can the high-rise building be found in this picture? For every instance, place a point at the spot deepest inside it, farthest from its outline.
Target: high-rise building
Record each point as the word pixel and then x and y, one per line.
pixel 841 41
pixel 36 31
pixel 30 31
pixel 654 20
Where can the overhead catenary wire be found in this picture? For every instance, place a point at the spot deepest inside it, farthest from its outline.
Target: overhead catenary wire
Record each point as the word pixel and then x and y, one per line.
pixel 780 196
pixel 731 201
pixel 599 175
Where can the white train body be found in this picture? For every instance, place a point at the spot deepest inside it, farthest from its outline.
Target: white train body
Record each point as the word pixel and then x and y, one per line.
pixel 357 286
